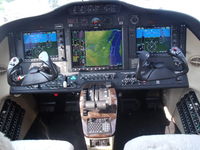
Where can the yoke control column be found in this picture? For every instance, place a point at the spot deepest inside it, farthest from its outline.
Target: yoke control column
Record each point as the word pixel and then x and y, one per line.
pixel 150 71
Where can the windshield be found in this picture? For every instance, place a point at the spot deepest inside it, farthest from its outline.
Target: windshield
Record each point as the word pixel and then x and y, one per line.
pixel 15 9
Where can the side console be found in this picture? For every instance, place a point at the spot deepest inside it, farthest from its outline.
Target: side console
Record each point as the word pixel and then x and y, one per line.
pixel 98 110
pixel 189 111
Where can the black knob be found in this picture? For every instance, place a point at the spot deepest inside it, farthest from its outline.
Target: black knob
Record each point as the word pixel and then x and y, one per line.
pixel 134 19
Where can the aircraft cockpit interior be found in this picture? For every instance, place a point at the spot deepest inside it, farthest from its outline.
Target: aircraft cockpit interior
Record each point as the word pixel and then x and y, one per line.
pixel 101 73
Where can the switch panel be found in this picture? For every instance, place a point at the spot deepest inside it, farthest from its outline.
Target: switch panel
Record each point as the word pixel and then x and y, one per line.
pixel 11 118
pixel 189 111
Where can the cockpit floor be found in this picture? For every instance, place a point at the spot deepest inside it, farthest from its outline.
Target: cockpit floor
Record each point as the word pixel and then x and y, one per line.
pixel 142 122
pixel 67 126
pixel 58 126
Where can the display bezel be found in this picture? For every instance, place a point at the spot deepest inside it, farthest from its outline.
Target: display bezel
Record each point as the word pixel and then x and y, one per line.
pixel 96 68
pixel 155 27
pixel 55 57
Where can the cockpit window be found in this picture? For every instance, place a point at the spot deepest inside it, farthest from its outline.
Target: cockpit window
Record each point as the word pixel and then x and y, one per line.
pixel 15 9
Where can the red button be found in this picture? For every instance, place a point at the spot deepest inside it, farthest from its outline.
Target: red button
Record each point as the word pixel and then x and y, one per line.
pixel 55 94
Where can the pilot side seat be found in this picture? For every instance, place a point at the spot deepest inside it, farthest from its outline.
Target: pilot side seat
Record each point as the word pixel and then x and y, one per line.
pixel 164 142
pixel 6 144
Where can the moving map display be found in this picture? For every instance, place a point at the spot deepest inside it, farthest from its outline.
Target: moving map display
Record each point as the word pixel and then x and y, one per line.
pixel 96 48
pixel 154 40
pixel 36 42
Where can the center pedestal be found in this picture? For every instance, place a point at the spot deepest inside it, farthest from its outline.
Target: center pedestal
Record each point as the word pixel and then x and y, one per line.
pixel 98 110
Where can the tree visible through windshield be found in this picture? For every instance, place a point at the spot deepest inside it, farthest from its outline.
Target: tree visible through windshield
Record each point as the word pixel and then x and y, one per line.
pixel 15 9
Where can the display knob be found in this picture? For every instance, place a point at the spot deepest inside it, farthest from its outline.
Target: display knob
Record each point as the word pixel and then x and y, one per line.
pixel 134 19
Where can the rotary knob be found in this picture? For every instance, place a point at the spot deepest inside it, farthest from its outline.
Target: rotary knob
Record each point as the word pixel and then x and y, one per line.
pixel 134 19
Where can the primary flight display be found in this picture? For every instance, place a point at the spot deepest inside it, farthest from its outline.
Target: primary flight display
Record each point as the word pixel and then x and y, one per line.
pixel 36 42
pixel 154 40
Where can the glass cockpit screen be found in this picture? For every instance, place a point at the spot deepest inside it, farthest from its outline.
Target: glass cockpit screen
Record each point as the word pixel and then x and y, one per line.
pixel 153 40
pixel 96 48
pixel 36 42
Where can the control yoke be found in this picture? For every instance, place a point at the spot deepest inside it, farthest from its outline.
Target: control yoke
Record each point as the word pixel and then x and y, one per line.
pixel 149 71
pixel 36 75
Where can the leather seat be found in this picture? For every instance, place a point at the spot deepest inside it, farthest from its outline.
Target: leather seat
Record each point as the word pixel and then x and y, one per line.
pixel 164 142
pixel 41 145
pixel 6 144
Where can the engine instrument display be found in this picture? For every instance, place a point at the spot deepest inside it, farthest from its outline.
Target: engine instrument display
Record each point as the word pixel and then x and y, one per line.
pixel 101 48
pixel 153 40
pixel 36 42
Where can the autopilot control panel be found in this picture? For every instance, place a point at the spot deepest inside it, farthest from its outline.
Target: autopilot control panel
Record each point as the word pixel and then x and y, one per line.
pixel 112 42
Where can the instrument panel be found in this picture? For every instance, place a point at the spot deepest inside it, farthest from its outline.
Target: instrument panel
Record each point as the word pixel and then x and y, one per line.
pixel 98 42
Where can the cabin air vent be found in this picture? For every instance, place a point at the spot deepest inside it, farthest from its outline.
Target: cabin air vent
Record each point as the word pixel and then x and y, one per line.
pixel 195 61
pixel 2 69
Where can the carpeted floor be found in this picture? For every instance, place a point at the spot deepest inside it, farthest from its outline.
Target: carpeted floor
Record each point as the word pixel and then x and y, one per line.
pixel 138 123
pixel 138 114
pixel 67 126
pixel 59 126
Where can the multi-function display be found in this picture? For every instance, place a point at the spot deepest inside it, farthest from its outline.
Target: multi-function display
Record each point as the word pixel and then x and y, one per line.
pixel 154 40
pixel 96 48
